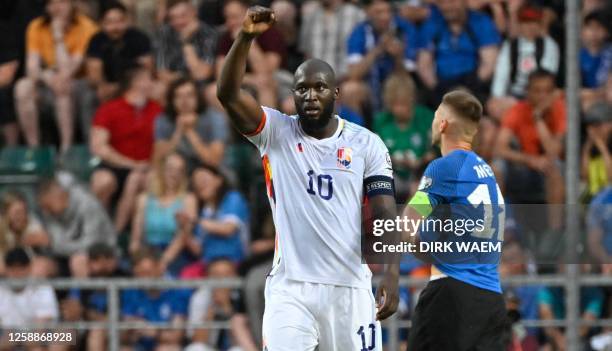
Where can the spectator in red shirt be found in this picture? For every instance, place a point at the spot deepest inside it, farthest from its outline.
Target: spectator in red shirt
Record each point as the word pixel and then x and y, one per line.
pixel 266 56
pixel 538 124
pixel 122 137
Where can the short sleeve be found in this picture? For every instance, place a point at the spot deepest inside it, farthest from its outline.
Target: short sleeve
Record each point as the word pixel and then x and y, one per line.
pixel 267 131
pixel 33 38
pixel 163 128
pixel 411 45
pixel 356 46
pixel 86 30
pixel 596 209
pixel 219 130
pixel 431 190
pixel 128 307
pixel 511 119
pixel 141 45
pixel 594 301
pixel 545 297
pixel 426 33
pixel 559 117
pixel 46 303
pixel 234 208
pixel 378 160
pixel 94 49
pixel 485 31
pixel 101 118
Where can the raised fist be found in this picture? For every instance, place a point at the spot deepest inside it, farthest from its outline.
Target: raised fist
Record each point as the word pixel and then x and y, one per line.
pixel 258 20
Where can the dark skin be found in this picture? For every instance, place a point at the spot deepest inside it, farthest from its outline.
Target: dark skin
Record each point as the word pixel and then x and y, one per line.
pixel 315 92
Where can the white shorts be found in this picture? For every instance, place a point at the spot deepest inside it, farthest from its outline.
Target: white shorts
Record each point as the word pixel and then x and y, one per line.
pixel 301 316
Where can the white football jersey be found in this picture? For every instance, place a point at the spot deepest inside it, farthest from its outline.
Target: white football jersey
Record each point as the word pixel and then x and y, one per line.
pixel 316 191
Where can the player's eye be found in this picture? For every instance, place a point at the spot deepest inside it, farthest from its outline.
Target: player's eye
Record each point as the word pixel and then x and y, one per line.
pixel 301 90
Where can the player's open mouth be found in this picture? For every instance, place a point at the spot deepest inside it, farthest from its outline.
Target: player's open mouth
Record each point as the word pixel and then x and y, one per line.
pixel 311 110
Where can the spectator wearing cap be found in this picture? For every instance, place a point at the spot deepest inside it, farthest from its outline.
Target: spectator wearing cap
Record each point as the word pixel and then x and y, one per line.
pixel 596 162
pixel 55 45
pixel 595 56
pixel 24 307
pixel 75 220
pixel 185 46
pixel 153 305
pixel 122 137
pixel 110 52
pixel 381 45
pixel 520 56
pixel 538 123
pixel 458 47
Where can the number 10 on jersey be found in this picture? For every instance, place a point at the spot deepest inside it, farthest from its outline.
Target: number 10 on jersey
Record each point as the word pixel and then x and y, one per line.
pixel 324 185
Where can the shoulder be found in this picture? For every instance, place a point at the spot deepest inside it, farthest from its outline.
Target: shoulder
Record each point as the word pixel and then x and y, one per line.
pixel 277 116
pixel 205 29
pixel 85 23
pixel 233 197
pixel 405 25
pixel 37 25
pixel 449 166
pixel 478 18
pixel 360 29
pixel 133 33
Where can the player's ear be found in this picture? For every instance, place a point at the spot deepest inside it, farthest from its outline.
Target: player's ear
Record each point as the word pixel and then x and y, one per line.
pixel 443 125
pixel 336 93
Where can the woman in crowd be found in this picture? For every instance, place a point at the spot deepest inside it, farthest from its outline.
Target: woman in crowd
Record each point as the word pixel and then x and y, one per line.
pixel 222 228
pixel 20 227
pixel 189 127
pixel 155 221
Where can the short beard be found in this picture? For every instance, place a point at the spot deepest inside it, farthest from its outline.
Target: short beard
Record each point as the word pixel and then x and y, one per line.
pixel 311 124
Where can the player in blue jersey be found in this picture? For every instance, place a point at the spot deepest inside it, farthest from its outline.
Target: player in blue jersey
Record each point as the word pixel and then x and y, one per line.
pixel 462 307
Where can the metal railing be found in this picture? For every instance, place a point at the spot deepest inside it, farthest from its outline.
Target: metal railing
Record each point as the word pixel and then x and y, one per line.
pixel 393 325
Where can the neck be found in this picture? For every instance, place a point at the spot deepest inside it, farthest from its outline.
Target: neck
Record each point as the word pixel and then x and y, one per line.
pixel 135 98
pixel 447 146
pixel 324 132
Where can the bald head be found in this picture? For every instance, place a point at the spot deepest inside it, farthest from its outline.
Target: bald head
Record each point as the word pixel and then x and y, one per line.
pixel 315 67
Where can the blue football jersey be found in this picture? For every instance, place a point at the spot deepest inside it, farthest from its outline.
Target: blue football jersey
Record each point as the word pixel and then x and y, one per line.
pixel 459 193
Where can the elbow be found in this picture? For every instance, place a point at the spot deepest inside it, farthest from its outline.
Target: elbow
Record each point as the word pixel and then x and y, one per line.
pixel 224 94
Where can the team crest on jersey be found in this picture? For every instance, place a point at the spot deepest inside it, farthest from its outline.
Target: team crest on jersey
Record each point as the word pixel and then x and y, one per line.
pixel 345 156
pixel 425 183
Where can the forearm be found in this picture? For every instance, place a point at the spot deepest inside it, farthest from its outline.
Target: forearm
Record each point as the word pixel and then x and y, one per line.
pixel 234 68
pixel 172 250
pixel 199 69
pixel 426 71
pixel 219 228
pixel 166 147
pixel 109 155
pixel 204 151
pixel 552 147
pixel 513 156
pixel 360 69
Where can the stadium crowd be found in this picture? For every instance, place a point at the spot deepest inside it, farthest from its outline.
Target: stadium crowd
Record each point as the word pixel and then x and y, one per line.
pixel 177 193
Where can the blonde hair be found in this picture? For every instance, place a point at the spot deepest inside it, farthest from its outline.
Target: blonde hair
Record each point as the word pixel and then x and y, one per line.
pixel 158 186
pixel 399 86
pixel 7 200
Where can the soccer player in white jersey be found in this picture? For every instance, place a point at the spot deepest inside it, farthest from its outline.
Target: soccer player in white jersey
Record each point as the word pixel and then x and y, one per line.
pixel 319 169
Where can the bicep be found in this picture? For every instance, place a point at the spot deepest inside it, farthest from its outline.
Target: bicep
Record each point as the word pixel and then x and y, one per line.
pixel 99 138
pixel 244 111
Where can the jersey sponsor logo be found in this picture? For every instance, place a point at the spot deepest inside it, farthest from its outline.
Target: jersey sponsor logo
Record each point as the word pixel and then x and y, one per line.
pixel 345 156
pixel 425 183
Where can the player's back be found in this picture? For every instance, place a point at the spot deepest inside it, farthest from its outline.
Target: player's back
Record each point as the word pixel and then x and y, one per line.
pixel 462 188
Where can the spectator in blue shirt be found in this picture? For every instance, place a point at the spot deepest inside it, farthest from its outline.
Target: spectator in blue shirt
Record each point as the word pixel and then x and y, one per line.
pixel 153 305
pixel 458 48
pixel 381 45
pixel 222 228
pixel 595 58
pixel 599 222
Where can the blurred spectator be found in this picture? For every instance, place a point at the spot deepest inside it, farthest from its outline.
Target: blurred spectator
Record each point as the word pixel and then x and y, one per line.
pixel 74 220
pixel 56 44
pixel 213 305
pixel 552 306
pixel 111 51
pixel 102 262
pixel 382 45
pixel 122 137
pixel 458 48
pixel 189 127
pixel 596 162
pixel 287 24
pixel 325 30
pixel 185 46
pixel 222 229
pixel 19 226
pixel 266 56
pixel 404 127
pixel 24 307
pixel 494 8
pixel 599 224
pixel 520 56
pixel 154 222
pixel 9 65
pixel 415 11
pixel 595 56
pixel 153 305
pixel 538 123
pixel 211 12
pixel 521 301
